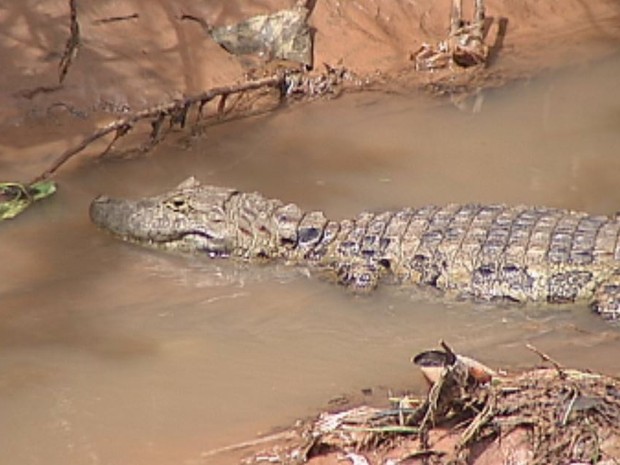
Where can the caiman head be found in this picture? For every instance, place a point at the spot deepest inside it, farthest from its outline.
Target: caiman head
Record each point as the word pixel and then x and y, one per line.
pixel 189 218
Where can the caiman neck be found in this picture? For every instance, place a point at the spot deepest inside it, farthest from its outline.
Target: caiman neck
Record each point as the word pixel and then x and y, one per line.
pixel 269 229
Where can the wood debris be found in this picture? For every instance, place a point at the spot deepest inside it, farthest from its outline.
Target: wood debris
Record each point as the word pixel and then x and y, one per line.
pixel 542 416
pixel 464 46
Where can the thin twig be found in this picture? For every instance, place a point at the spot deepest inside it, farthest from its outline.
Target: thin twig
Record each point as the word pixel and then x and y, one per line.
pixel 479 16
pixel 246 444
pixel 113 19
pixel 478 422
pixel 32 93
pixel 569 407
pixel 456 16
pixel 120 132
pixel 451 355
pixel 205 26
pixel 71 47
pixel 546 358
pixel 383 429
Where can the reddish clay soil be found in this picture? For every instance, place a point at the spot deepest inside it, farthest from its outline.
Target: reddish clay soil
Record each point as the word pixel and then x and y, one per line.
pixel 153 55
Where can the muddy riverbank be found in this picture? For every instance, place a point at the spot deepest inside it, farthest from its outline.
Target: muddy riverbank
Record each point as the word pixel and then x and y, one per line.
pixel 138 53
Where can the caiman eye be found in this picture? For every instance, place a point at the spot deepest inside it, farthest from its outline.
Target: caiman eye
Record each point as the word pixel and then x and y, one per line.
pixel 177 204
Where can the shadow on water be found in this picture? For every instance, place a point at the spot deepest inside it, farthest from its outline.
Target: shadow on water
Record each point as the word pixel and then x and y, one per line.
pixel 115 354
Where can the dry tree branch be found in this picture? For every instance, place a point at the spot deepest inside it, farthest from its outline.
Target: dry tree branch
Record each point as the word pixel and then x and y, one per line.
pixel 205 26
pixel 176 111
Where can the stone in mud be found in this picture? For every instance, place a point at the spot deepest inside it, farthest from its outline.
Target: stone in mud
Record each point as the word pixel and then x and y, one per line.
pixel 282 35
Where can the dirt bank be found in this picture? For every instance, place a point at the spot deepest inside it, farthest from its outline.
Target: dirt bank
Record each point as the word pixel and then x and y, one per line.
pixel 136 53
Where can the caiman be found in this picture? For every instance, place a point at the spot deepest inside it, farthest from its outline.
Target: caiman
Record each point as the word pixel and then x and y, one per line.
pixel 484 252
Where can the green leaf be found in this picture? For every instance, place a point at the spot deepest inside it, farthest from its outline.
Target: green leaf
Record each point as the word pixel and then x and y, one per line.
pixel 16 197
pixel 40 190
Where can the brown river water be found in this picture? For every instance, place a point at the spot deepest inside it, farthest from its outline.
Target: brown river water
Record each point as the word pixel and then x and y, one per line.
pixel 114 354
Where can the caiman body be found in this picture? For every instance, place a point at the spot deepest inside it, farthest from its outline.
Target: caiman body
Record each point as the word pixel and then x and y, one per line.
pixel 485 252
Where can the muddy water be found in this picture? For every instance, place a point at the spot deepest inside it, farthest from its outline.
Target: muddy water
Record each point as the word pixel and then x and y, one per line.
pixel 111 354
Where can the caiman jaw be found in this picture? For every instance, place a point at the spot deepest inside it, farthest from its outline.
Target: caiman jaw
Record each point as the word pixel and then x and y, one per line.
pixel 193 242
pixel 124 219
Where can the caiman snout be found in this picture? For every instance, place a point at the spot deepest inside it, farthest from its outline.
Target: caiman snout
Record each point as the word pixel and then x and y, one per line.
pixel 97 209
pixel 110 214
